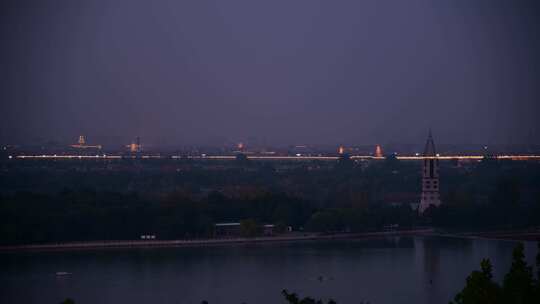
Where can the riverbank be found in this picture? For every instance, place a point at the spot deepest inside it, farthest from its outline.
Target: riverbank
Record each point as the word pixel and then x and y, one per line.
pixel 530 234
pixel 209 242
pixel 517 235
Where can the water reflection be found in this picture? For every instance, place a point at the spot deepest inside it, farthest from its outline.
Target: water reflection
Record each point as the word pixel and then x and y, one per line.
pixel 390 270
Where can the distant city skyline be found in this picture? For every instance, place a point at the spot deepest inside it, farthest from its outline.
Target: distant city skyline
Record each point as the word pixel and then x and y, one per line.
pixel 253 144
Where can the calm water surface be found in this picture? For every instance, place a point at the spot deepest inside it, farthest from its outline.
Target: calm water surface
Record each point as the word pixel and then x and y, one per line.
pixel 392 270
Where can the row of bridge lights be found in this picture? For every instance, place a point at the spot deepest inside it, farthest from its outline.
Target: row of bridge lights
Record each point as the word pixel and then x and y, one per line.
pixel 418 154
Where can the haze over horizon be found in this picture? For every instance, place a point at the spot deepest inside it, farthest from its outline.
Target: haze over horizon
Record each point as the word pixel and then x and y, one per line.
pixel 283 72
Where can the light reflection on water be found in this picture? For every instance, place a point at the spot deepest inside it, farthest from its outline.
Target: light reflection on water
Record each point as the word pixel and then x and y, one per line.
pixel 390 270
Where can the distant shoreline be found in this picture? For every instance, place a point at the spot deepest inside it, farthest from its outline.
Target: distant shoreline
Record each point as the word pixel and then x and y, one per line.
pixel 207 242
pixel 532 234
pixel 521 235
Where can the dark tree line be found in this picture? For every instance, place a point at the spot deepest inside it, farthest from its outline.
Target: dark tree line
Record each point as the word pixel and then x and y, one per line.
pixel 87 215
pixel 28 217
pixel 49 201
pixel 503 208
pixel 520 285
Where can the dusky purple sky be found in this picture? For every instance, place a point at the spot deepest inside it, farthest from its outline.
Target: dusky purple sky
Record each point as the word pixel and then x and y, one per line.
pixel 302 71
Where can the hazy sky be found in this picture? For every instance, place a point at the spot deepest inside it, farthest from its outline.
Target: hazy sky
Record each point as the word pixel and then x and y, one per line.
pixel 291 71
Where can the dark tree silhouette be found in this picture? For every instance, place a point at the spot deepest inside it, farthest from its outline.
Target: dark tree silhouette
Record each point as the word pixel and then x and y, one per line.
pixel 249 228
pixel 480 289
pixel 518 283
pixel 292 298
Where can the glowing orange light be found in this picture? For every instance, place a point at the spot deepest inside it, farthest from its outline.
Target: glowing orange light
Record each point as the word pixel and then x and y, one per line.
pixel 378 151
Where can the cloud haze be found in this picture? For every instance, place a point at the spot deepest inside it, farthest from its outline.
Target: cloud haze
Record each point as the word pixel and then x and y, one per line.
pixel 192 72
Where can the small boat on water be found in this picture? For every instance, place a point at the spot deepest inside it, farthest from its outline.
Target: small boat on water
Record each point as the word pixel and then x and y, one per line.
pixel 63 273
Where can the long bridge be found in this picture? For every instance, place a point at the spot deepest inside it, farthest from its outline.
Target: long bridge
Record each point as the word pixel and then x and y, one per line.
pixel 270 158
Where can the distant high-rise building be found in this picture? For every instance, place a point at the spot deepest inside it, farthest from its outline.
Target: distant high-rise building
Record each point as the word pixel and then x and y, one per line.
pixel 378 151
pixel 341 150
pixel 430 177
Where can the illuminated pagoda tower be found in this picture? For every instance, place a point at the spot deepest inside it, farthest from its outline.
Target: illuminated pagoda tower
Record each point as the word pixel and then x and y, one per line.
pixel 344 159
pixel 430 177
pixel 378 151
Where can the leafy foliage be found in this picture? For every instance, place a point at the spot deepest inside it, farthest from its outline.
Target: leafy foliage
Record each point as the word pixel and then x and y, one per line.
pixel 480 289
pixel 249 228
pixel 519 285
pixel 62 201
pixel 292 298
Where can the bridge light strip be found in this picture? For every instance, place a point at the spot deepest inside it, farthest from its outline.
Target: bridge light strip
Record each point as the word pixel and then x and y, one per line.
pixel 256 157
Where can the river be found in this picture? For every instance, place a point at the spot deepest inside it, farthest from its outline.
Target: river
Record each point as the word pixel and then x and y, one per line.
pixel 388 270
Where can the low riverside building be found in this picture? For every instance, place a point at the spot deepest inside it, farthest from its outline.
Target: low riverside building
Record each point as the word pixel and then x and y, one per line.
pixel 227 230
pixel 235 230
pixel 268 229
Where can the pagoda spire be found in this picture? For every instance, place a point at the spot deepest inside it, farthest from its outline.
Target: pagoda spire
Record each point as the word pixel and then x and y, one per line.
pixel 429 149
